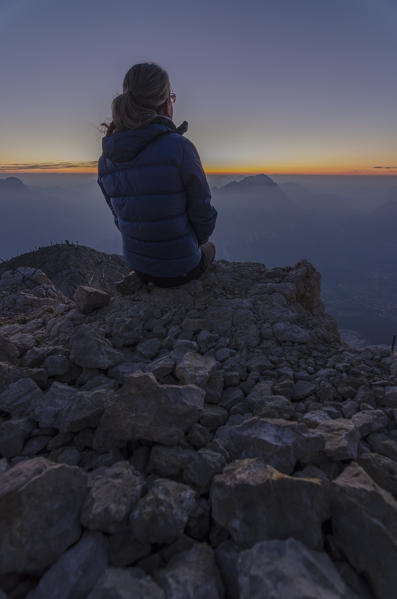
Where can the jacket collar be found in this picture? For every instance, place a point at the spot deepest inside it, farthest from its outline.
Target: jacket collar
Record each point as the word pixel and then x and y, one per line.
pixel 125 145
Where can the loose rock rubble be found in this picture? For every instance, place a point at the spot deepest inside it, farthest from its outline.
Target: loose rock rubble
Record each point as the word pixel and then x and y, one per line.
pixel 211 440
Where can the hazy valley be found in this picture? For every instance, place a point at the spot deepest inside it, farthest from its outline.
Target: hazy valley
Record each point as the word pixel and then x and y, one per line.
pixel 343 225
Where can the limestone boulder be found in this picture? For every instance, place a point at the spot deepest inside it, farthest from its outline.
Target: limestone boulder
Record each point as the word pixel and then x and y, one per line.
pixel 195 369
pixel 147 410
pixel 288 570
pixel 123 583
pixel 341 439
pixel 364 522
pixel 278 442
pixel 89 299
pixel 13 434
pixel 69 410
pixel 191 575
pixel 76 572
pixel 113 493
pixel 20 398
pixel 40 500
pixel 252 501
pixel 381 469
pixel 161 515
pixel 90 349
pixel 369 421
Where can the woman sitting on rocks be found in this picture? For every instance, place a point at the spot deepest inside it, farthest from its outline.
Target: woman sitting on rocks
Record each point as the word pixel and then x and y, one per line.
pixel 153 181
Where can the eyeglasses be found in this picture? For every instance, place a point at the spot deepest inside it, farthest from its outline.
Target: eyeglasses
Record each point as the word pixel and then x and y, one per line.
pixel 172 97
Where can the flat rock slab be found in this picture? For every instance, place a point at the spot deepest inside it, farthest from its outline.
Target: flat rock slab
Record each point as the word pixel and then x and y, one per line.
pixel 288 570
pixel 364 520
pixel 252 501
pixel 147 410
pixel 278 442
pixel 42 501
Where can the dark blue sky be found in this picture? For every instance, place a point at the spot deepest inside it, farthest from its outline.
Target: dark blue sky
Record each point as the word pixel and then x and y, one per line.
pixel 272 86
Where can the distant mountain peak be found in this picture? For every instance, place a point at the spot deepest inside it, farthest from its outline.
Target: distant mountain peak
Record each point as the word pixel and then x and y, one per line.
pixel 11 183
pixel 251 181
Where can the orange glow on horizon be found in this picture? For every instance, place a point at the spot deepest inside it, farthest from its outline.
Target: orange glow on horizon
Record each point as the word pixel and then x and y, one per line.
pixel 90 168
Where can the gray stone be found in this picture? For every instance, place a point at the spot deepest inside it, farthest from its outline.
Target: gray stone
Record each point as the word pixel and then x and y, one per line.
pixel 147 410
pixel 126 330
pixel 42 501
pixel 161 367
pixel 383 444
pixel 69 410
pixel 389 400
pixel 90 349
pixel 341 439
pixel 230 397
pixel 364 523
pixel 20 398
pixel 191 575
pixel 168 462
pixel 274 406
pixel 161 515
pixel 369 421
pixel 149 348
pixel 214 387
pixel 381 469
pixel 8 350
pixel 198 436
pixel 89 299
pixel 35 445
pixel 112 495
pixel 56 365
pixel 195 369
pixel 252 501
pixel 65 455
pixel 202 467
pixel 226 555
pixel 303 389
pixel 13 434
pixel 279 442
pixel 316 417
pixel 288 570
pixel 213 416
pixel 286 331
pixel 76 572
pixel 120 583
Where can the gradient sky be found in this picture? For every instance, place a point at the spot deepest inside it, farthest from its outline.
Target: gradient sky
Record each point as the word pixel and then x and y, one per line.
pixel 280 86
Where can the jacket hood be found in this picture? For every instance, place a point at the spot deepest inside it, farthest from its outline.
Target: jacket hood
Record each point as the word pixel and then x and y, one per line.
pixel 124 146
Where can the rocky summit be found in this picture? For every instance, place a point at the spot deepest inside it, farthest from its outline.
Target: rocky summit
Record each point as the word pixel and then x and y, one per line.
pixel 212 440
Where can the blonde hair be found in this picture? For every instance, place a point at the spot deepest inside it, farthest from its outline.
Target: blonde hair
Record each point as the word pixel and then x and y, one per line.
pixel 146 86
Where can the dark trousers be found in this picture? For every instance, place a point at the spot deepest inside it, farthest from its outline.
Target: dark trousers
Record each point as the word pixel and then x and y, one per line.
pixel 207 257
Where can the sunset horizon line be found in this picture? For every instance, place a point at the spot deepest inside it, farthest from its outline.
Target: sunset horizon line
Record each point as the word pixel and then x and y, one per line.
pixel 90 168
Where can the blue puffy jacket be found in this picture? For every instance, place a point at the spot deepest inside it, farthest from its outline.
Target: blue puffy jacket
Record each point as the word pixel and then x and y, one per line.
pixel 154 183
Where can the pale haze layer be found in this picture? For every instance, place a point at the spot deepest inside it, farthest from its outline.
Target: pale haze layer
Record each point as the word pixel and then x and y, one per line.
pixel 276 87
